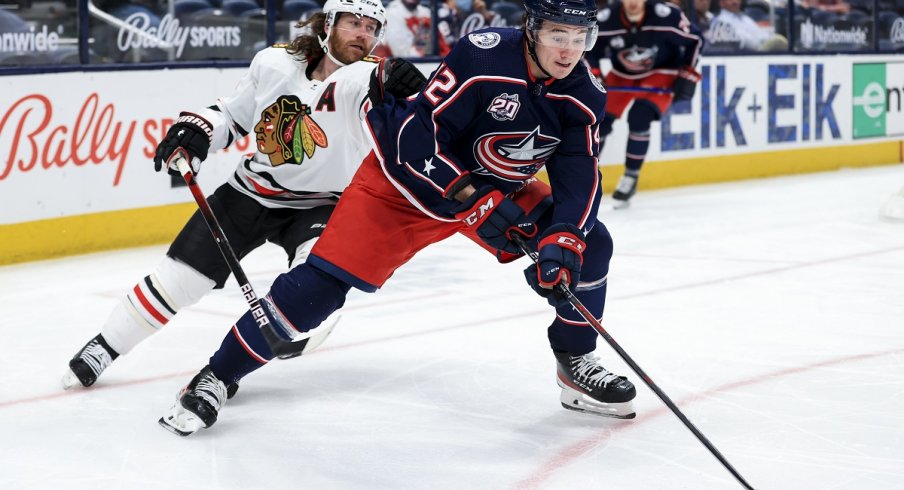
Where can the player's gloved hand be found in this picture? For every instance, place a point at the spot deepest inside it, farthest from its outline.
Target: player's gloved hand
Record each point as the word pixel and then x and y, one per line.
pixel 397 77
pixel 561 253
pixel 495 217
pixel 686 84
pixel 192 133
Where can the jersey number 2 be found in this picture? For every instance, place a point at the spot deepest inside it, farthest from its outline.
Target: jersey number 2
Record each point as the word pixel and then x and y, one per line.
pixel 442 83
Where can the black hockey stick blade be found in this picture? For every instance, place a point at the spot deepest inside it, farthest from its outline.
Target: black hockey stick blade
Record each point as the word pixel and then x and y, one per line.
pixel 576 303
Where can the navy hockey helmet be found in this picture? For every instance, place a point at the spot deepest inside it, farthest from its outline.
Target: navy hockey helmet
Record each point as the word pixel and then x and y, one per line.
pixel 581 13
pixel 572 12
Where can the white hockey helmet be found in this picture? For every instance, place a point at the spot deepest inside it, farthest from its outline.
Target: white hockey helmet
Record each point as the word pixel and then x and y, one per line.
pixel 367 8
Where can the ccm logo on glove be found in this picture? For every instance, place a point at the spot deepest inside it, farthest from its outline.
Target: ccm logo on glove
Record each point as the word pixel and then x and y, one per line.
pixel 478 214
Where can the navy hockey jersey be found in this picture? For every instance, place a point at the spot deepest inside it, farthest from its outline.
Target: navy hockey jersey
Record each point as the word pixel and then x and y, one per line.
pixel 663 40
pixel 482 113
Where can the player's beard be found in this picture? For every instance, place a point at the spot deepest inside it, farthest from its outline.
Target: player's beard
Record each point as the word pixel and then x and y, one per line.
pixel 345 53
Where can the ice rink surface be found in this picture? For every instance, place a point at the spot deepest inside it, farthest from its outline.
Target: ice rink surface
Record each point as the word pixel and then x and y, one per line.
pixel 771 311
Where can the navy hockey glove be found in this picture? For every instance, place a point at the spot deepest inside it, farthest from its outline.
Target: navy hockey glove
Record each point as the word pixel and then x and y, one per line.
pixel 397 77
pixel 192 133
pixel 561 253
pixel 495 217
pixel 686 84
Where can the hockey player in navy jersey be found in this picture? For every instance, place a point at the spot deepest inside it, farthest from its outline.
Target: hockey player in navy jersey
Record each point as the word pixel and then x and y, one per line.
pixel 461 158
pixel 303 104
pixel 654 50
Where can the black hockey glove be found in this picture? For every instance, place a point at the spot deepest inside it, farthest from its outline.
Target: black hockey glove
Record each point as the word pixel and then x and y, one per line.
pixel 686 84
pixel 192 133
pixel 495 217
pixel 397 77
pixel 561 253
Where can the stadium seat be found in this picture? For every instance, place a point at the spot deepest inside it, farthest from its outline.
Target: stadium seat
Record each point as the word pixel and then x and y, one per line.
pixel 757 14
pixel 64 55
pixel 510 11
pixel 298 9
pixel 822 17
pixel 237 7
pixel 16 58
pixel 185 7
pixel 886 20
pixel 10 22
pixel 857 17
pixel 865 6
pixel 757 4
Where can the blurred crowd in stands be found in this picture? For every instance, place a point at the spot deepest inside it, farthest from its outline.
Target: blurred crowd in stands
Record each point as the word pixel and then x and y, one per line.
pixel 124 31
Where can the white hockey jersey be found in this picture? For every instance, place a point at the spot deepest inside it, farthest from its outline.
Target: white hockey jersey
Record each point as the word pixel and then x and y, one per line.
pixel 308 134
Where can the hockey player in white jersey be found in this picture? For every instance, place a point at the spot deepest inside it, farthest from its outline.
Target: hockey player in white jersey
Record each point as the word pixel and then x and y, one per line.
pixel 303 103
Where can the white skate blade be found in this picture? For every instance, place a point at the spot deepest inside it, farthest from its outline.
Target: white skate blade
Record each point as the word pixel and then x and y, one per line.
pixel 614 205
pixel 70 380
pixel 180 421
pixel 579 402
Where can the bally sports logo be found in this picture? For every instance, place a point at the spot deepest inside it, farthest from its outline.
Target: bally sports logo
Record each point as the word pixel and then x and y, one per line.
pixel 140 32
pixel 514 156
pixel 896 34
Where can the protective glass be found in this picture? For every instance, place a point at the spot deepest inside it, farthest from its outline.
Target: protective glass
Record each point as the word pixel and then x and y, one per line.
pixel 561 36
pixel 366 26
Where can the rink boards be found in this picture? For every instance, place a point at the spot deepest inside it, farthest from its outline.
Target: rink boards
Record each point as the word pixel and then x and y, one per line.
pixel 77 175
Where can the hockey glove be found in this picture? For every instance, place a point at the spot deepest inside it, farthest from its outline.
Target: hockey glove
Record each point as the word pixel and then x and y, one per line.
pixel 495 217
pixel 686 84
pixel 561 250
pixel 397 77
pixel 192 133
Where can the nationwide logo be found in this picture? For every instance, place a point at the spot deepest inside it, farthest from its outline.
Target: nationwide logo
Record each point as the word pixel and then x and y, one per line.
pixel 877 100
pixel 812 35
pixel 31 40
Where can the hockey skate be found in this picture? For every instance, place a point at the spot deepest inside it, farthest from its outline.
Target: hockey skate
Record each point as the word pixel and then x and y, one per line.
pixel 197 405
pixel 88 363
pixel 625 189
pixel 588 387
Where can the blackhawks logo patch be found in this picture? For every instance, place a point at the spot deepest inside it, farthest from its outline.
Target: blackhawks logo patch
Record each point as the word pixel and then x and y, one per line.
pixel 287 133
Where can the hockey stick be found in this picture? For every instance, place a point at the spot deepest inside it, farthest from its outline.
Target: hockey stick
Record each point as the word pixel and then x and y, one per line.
pixel 576 303
pixel 281 348
pixel 649 90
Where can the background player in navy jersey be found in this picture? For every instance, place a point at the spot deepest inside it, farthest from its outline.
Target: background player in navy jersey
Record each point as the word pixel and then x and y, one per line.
pixel 304 104
pixel 461 158
pixel 654 50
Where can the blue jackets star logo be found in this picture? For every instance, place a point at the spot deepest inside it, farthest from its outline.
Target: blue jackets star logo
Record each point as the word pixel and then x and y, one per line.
pixel 514 156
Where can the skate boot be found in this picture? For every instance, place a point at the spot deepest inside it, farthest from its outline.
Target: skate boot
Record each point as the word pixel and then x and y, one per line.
pixel 197 405
pixel 89 362
pixel 231 390
pixel 589 387
pixel 626 188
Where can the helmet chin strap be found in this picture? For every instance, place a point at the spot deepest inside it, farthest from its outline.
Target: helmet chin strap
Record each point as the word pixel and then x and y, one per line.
pixel 325 46
pixel 531 49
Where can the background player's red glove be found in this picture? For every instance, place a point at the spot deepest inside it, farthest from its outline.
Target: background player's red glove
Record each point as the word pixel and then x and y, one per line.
pixel 495 217
pixel 561 254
